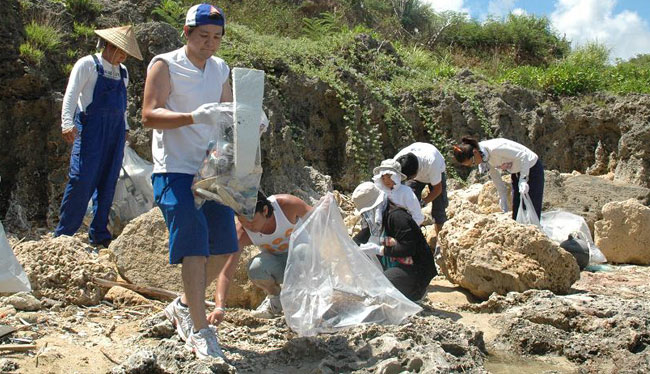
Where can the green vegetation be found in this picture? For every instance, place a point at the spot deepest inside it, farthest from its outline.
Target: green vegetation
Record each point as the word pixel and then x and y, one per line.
pixel 83 9
pixel 83 31
pixel 172 12
pixel 31 53
pixel 42 37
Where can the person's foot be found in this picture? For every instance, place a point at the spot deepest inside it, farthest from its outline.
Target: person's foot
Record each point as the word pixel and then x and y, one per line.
pixel 269 308
pixel 180 317
pixel 204 344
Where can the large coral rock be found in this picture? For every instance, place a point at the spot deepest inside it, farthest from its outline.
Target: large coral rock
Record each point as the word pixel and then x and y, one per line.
pixel 142 258
pixel 586 195
pixel 493 253
pixel 623 235
pixel 63 269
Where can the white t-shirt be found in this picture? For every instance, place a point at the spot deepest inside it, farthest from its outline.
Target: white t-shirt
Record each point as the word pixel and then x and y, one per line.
pixel 181 150
pixel 81 85
pixel 431 164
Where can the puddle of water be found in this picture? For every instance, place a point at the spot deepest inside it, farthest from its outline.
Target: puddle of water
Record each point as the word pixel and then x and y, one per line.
pixel 505 363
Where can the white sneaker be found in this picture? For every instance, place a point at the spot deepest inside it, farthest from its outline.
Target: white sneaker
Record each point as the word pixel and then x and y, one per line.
pixel 180 317
pixel 204 344
pixel 269 308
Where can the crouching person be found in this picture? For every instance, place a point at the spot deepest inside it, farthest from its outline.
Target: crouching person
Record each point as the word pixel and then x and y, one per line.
pixel 270 229
pixel 396 238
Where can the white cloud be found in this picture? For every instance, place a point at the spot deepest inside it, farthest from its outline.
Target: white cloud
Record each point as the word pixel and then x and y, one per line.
pixel 500 8
pixel 444 5
pixel 582 21
pixel 519 12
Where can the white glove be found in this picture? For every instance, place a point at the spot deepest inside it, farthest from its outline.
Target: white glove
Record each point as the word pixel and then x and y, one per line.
pixel 523 187
pixel 372 248
pixel 503 203
pixel 206 113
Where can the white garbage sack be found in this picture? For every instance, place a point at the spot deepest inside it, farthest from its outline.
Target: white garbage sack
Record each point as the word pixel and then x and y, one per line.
pixel 12 276
pixel 330 284
pixel 133 192
pixel 558 225
pixel 527 216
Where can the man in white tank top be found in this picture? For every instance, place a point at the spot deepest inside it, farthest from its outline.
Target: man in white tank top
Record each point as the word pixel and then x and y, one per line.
pixel 182 89
pixel 270 230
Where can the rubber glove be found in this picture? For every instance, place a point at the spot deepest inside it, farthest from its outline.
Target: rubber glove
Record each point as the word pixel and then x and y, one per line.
pixel 372 248
pixel 523 187
pixel 206 113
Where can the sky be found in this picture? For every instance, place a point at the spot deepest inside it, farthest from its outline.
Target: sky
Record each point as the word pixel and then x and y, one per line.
pixel 622 25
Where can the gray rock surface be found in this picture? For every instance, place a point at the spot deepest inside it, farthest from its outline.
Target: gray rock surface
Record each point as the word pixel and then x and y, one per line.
pixel 23 301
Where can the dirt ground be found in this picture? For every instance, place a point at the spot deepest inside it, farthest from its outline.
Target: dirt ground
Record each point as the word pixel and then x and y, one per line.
pixel 77 339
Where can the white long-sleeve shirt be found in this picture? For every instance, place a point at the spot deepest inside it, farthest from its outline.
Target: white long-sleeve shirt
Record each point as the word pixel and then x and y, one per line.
pixel 401 195
pixel 431 164
pixel 81 85
pixel 506 155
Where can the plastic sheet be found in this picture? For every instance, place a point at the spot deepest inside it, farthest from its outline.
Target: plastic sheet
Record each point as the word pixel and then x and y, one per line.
pixel 330 284
pixel 558 225
pixel 12 275
pixel 527 216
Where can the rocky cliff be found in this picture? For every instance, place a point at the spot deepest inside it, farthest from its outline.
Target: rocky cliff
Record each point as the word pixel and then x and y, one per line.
pixel 309 138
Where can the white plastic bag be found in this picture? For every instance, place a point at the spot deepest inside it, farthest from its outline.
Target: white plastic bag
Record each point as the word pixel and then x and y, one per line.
pixel 133 192
pixel 12 275
pixel 527 216
pixel 558 225
pixel 330 284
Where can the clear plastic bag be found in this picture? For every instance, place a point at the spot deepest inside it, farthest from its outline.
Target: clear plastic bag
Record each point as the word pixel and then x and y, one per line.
pixel 558 225
pixel 217 178
pixel 232 168
pixel 330 284
pixel 12 276
pixel 527 216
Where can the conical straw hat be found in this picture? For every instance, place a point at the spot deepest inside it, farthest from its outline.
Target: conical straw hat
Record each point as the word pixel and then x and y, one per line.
pixel 123 38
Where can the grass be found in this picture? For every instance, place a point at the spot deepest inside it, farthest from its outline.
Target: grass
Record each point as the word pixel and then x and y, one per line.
pixel 31 53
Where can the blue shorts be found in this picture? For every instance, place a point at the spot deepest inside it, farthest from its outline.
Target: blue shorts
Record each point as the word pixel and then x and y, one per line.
pixel 193 232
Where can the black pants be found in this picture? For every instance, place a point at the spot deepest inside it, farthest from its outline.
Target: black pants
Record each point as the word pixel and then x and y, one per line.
pixel 407 282
pixel 535 191
pixel 439 204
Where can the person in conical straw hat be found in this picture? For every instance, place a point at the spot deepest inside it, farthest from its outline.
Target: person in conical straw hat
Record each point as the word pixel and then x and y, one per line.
pixel 94 121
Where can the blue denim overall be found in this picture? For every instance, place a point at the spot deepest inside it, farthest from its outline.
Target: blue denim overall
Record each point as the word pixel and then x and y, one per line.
pixel 96 158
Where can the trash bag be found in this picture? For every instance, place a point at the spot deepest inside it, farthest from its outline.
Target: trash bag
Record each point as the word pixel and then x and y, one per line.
pixel 527 216
pixel 12 276
pixel 330 284
pixel 133 192
pixel 579 249
pixel 559 225
pixel 231 169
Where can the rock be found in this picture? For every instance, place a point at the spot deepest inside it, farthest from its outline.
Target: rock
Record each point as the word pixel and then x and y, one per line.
pixel 121 296
pixel 7 311
pixel 470 193
pixel 586 195
pixel 585 328
pixel 431 237
pixel 29 317
pixel 488 198
pixel 493 253
pixel 623 235
pixel 634 155
pixel 142 258
pixel 171 356
pixel 389 366
pixel 158 326
pixel 7 365
pixel 62 268
pixel 23 301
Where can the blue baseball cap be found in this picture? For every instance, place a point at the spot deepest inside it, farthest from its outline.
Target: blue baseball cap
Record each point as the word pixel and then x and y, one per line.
pixel 205 14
